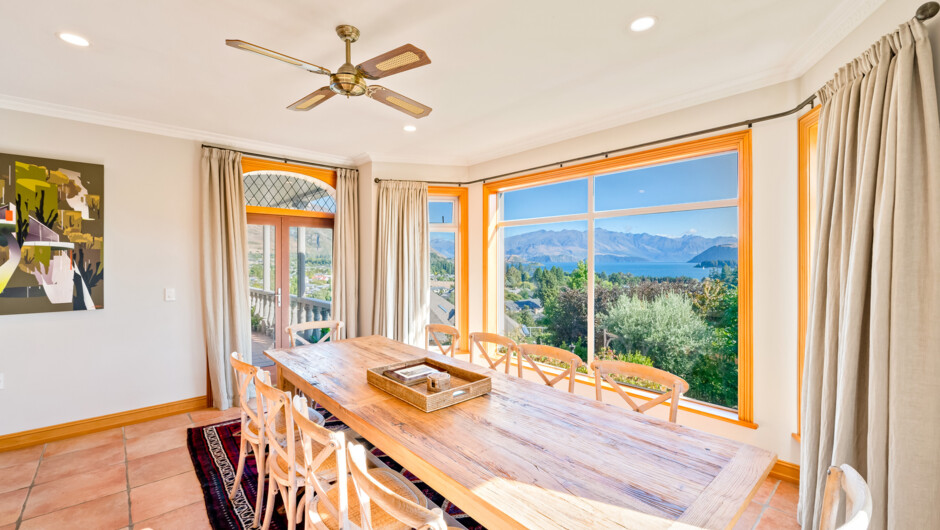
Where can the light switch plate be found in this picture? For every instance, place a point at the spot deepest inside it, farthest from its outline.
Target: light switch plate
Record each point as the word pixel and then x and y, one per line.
pixel 1 381
pixel 169 294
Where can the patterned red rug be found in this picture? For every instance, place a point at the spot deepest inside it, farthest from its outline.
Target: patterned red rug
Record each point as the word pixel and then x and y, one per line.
pixel 214 451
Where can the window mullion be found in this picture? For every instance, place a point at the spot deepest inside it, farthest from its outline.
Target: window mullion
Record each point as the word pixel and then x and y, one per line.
pixel 590 271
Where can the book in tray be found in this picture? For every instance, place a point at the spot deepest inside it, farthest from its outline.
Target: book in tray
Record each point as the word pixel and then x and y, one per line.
pixel 411 375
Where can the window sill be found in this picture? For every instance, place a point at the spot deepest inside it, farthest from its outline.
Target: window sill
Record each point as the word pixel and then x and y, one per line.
pixel 686 404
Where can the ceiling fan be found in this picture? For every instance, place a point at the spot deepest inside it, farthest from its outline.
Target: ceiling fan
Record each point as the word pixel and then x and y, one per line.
pixel 349 80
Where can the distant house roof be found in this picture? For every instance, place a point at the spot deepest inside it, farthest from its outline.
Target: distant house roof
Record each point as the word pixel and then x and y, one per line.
pixel 530 303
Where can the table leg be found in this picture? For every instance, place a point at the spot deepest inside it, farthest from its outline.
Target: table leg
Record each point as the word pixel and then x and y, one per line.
pixel 283 383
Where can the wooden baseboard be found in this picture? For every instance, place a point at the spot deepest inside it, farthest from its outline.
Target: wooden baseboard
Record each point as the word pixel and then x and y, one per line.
pixel 52 433
pixel 786 471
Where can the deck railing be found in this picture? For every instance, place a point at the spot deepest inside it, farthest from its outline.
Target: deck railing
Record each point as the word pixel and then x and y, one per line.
pixel 302 309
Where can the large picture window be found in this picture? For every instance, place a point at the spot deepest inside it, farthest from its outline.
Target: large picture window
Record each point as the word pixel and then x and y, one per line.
pixel 643 258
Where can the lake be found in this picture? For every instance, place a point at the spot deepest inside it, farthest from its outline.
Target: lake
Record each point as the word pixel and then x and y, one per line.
pixel 644 268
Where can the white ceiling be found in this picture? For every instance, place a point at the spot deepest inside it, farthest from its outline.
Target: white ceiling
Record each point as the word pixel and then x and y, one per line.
pixel 505 75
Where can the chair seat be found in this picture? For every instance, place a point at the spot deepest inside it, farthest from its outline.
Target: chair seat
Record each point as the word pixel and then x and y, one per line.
pixel 381 520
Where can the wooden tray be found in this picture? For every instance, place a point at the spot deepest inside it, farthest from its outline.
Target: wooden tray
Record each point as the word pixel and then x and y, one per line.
pixel 464 385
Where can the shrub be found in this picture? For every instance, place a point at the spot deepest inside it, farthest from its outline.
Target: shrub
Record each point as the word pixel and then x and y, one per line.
pixel 666 329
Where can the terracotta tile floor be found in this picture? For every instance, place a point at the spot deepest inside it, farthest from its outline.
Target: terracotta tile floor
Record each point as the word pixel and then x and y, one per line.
pixel 137 477
pixel 141 477
pixel 773 507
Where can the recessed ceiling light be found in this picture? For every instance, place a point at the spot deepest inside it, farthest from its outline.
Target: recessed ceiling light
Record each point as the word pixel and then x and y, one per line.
pixel 643 23
pixel 74 39
pixel 410 128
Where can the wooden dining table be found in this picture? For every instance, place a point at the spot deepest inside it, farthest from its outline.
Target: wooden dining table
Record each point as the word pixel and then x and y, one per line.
pixel 526 455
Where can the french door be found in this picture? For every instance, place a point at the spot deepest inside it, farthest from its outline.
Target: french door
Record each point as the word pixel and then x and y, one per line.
pixel 290 264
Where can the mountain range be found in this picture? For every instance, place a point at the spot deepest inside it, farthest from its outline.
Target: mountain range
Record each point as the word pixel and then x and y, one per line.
pixel 727 253
pixel 567 246
pixel 443 246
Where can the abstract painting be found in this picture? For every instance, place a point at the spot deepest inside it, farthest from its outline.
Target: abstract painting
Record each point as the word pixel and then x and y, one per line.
pixel 51 235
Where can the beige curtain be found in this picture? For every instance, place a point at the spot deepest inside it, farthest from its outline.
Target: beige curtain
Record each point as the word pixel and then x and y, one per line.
pixel 871 392
pixel 402 268
pixel 224 268
pixel 346 251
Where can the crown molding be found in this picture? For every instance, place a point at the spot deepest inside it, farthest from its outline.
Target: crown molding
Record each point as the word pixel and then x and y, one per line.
pixel 55 110
pixel 385 158
pixel 638 112
pixel 840 22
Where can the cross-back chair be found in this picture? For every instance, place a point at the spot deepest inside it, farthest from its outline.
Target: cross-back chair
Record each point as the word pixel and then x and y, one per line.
pixel 284 463
pixel 333 331
pixel 324 457
pixel 675 385
pixel 252 429
pixel 528 351
pixel 431 331
pixel 285 474
pixel 385 497
pixel 858 501
pixel 484 340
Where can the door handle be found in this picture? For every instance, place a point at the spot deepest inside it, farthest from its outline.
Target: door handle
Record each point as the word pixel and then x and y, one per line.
pixel 279 297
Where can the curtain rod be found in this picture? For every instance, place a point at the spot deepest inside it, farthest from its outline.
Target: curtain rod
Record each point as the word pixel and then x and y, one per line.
pixel 609 152
pixel 924 12
pixel 279 158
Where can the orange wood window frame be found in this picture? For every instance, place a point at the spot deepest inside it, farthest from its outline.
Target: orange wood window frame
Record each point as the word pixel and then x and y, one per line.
pixel 808 131
pixel 463 257
pixel 739 142
pixel 257 164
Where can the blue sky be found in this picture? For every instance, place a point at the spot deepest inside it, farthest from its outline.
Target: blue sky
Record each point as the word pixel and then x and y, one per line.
pixel 440 210
pixel 701 179
pixel 706 223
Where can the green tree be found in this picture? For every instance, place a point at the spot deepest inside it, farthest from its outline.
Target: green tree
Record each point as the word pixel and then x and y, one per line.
pixel 578 277
pixel 549 281
pixel 513 277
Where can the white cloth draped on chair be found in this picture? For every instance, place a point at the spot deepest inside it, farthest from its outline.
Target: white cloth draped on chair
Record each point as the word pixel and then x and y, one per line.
pixel 402 267
pixel 346 252
pixel 224 262
pixel 871 387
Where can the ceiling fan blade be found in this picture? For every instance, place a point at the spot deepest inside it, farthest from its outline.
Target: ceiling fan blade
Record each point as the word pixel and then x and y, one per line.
pixel 396 61
pixel 313 99
pixel 310 67
pixel 398 102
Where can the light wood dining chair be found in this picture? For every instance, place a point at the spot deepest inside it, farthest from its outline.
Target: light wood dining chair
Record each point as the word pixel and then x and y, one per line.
pixel 252 429
pixel 333 328
pixel 484 340
pixel 431 331
pixel 675 385
pixel 858 501
pixel 528 351
pixel 285 464
pixel 385 498
pixel 324 458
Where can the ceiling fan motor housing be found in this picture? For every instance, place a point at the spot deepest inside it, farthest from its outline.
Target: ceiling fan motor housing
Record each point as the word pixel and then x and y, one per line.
pixel 347 81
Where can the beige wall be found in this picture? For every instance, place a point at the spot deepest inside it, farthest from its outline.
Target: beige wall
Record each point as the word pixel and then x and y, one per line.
pixel 139 350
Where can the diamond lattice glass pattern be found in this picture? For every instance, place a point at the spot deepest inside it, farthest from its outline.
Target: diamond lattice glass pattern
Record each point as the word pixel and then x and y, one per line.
pixel 285 190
